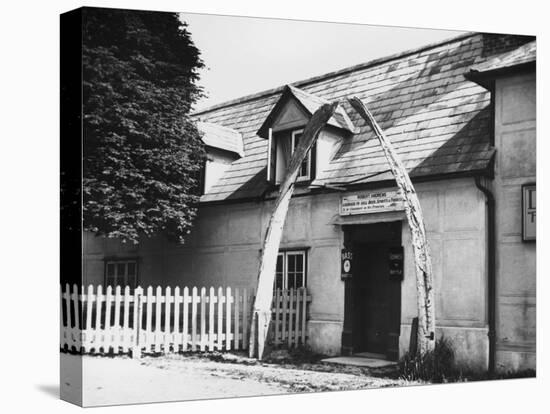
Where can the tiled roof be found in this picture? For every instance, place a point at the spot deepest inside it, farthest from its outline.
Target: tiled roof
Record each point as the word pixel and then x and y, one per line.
pixel 221 137
pixel 526 53
pixel 438 121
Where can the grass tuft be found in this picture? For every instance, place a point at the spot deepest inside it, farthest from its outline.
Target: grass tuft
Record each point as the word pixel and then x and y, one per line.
pixel 434 366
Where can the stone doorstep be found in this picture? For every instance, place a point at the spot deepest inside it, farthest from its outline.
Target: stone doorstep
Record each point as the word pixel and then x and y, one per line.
pixel 360 361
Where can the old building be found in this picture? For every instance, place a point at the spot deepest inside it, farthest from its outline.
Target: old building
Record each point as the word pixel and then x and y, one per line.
pixel 461 114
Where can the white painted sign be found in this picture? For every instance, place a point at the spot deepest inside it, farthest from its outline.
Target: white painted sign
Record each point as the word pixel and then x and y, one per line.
pixel 529 197
pixel 373 202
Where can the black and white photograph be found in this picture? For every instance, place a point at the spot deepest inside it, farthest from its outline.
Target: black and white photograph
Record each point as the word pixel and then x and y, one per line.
pixel 372 225
pixel 274 207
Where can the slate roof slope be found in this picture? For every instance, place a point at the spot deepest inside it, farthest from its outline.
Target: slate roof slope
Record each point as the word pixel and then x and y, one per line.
pixel 438 121
pixel 522 55
pixel 221 137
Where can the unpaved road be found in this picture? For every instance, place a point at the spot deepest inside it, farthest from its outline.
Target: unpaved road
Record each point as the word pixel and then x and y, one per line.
pixel 121 380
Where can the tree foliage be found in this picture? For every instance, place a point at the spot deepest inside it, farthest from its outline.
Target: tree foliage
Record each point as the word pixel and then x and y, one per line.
pixel 142 153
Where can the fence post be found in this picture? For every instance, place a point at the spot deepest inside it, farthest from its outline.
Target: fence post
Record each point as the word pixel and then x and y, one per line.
pixel 290 316
pixel 126 344
pixel 211 299
pixel 185 339
pixel 148 319
pixel 167 307
pixel 220 319
pixel 202 340
pixel 236 320
pixel 304 314
pixel 89 310
pixel 158 314
pixel 77 333
pixel 136 350
pixel 116 325
pixel 228 319
pixel 69 330
pixel 297 318
pixel 194 303
pixel 98 306
pixel 177 300
pixel 62 325
pixel 108 337
pixel 246 322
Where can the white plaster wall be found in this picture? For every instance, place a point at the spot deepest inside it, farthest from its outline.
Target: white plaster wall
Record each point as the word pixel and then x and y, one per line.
pixel 455 216
pixel 515 140
pixel 224 249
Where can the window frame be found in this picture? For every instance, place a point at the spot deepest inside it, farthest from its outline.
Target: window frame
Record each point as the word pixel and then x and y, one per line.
pixel 116 262
pixel 307 177
pixel 284 254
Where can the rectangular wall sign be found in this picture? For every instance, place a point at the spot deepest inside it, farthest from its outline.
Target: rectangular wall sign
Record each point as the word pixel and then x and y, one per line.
pixel 373 202
pixel 529 210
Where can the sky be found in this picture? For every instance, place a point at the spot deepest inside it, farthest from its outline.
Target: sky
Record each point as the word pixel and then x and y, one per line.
pixel 245 55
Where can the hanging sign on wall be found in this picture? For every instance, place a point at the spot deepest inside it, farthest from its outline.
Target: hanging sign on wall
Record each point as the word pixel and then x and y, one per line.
pixel 347 261
pixel 529 210
pixel 395 262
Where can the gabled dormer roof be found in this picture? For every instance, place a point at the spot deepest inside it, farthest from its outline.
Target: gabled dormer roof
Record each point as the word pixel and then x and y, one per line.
pixel 221 137
pixel 308 103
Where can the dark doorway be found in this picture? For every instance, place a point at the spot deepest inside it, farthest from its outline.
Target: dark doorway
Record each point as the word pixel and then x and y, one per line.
pixel 377 299
pixel 373 296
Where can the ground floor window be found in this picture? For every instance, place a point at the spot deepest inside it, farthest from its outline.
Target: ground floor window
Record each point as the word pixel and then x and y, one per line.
pixel 291 270
pixel 121 273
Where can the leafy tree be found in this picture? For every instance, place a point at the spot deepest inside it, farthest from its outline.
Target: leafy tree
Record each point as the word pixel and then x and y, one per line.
pixel 142 152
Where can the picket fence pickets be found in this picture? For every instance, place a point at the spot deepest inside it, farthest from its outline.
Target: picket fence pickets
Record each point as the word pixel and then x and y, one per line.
pixel 117 320
pixel 290 317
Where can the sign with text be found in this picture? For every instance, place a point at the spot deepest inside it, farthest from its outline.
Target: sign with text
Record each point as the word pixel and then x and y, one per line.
pixel 395 262
pixel 347 261
pixel 374 202
pixel 529 210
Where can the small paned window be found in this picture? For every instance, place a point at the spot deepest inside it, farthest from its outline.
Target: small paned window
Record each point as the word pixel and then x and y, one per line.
pixel 290 272
pixel 121 273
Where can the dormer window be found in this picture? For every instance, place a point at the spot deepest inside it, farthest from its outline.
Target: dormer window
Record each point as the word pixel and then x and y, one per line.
pixel 304 174
pixel 284 127
pixel 283 144
pixel 223 147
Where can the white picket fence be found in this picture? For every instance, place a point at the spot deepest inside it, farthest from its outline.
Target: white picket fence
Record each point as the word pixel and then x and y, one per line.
pixel 172 320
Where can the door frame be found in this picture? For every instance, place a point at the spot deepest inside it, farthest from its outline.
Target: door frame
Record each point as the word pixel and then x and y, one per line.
pixel 348 337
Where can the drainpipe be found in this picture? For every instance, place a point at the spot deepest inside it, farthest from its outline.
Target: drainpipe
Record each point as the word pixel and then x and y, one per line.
pixel 491 250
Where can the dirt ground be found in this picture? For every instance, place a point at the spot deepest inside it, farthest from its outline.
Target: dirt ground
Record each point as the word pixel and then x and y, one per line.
pixel 122 380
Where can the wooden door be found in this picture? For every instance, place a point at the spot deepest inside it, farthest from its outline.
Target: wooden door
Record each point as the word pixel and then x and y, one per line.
pixel 377 299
